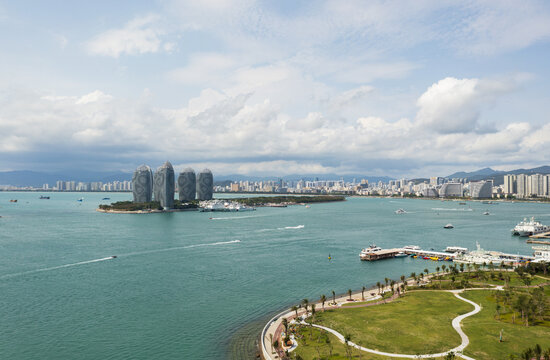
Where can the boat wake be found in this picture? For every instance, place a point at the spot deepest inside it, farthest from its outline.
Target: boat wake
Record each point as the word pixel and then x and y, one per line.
pixel 235 217
pixel 292 227
pixel 114 257
pixel 453 209
pixel 180 248
pixel 57 267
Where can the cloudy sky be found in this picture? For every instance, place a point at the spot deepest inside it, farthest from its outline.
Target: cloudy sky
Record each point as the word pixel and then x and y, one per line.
pixel 411 88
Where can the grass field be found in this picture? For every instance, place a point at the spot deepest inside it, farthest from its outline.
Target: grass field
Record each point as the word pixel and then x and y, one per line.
pixel 515 279
pixel 417 323
pixel 484 331
pixel 316 346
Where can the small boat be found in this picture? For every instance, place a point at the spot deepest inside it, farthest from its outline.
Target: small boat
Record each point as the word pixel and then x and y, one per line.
pixel 329 257
pixel 401 254
pixel 81 199
pixel 426 258
pixel 44 197
pixel 307 206
pixel 13 200
pixel 106 199
pixel 113 257
pixel 462 203
pixel 486 213
pixel 448 226
pixel 400 211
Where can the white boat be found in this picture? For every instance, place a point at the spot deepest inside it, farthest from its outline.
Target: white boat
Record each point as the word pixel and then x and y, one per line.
pixel 369 251
pixel 411 247
pixel 224 205
pixel 401 254
pixel 448 226
pixel 529 227
pixel 542 254
pixel 400 211
pixel 486 213
pixel 456 249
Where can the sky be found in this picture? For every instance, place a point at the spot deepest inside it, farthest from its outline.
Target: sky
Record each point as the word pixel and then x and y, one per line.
pixel 397 88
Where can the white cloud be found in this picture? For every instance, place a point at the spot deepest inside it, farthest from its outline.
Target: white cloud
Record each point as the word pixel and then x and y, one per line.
pixel 94 97
pixel 454 105
pixel 139 36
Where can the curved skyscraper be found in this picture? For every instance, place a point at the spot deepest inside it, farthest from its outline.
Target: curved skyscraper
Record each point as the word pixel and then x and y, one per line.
pixel 205 185
pixel 142 184
pixel 163 188
pixel 481 190
pixel 187 185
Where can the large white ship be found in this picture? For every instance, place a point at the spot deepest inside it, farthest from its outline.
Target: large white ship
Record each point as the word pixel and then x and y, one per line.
pixel 223 205
pixel 529 227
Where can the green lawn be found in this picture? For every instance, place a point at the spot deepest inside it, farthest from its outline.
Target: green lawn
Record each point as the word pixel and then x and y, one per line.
pixel 515 280
pixel 483 330
pixel 418 323
pixel 316 346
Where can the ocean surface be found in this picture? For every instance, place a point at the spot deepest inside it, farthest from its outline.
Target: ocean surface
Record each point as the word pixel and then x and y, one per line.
pixel 185 286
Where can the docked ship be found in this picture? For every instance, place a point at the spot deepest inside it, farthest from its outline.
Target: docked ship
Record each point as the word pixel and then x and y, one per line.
pixel 529 227
pixel 224 205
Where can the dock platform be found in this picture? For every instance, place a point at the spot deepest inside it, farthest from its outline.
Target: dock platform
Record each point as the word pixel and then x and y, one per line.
pixel 545 235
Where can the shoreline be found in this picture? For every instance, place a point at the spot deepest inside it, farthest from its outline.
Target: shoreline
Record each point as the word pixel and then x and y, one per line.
pixel 142 211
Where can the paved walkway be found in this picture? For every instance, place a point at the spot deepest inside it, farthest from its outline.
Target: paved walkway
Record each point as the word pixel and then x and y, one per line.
pixel 455 323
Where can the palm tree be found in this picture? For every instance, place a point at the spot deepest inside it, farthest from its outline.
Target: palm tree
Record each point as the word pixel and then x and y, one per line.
pixel 469 267
pixel 285 325
pixel 323 298
pixel 413 275
pixel 312 309
pixel 295 309
pixel 379 285
pixel 437 270
pixel 392 284
pixel 306 303
pixel 386 280
pixel 538 351
pixel 347 339
pixel 443 267
pixel 363 293
pixel 333 297
pixel 349 293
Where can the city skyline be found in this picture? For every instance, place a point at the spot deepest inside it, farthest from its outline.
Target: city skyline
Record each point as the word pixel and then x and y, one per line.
pixel 254 87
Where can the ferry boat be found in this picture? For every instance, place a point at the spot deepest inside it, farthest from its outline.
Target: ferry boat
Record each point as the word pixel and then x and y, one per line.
pixel 529 227
pixel 456 249
pixel 223 205
pixel 400 211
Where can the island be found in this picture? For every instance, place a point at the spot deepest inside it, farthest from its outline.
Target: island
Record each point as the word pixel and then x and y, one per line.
pixel 130 207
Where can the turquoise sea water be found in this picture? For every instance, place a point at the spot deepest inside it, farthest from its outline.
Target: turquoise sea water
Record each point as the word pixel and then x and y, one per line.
pixel 183 284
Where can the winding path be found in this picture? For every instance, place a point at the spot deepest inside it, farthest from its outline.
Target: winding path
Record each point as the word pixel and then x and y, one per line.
pixel 455 323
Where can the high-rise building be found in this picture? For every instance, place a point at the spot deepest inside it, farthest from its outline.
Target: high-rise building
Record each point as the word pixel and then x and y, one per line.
pixel 510 184
pixel 142 184
pixel 163 185
pixel 451 189
pixel 187 183
pixel 205 185
pixel 481 190
pixel 522 189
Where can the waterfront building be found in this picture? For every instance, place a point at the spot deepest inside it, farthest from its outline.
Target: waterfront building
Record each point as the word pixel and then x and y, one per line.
pixel 450 189
pixel 510 184
pixel 142 184
pixel 430 192
pixel 205 183
pixel 187 185
pixel 522 189
pixel 163 185
pixel 481 190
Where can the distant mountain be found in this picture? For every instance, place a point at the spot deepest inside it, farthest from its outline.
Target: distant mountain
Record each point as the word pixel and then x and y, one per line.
pixel 482 172
pixel 306 177
pixel 37 179
pixel 498 176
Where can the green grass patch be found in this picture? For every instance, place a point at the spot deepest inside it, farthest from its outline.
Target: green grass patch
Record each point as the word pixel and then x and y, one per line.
pixel 320 345
pixel 483 329
pixel 494 278
pixel 417 323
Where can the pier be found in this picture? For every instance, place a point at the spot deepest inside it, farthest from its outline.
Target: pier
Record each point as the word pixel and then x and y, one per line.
pixel 544 235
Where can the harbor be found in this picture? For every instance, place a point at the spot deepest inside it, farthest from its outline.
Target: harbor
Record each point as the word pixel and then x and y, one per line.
pixel 451 253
